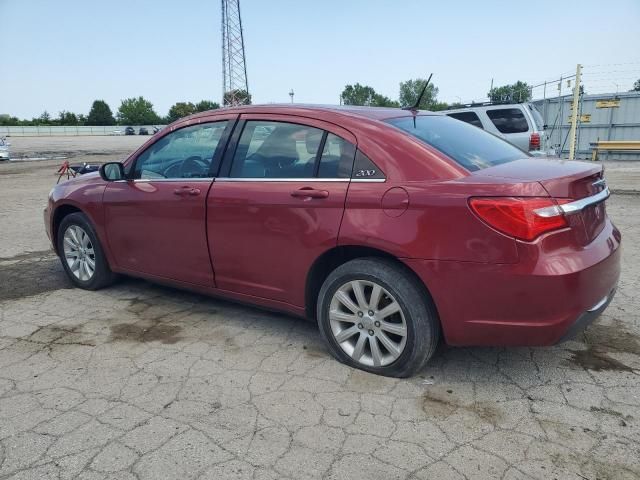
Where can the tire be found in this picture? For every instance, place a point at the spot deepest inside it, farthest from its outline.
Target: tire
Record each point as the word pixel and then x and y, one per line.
pixel 354 337
pixel 74 226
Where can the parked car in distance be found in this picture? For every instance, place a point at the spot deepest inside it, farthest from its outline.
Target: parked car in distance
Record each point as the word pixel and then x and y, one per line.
pixel 389 228
pixel 4 149
pixel 129 131
pixel 518 123
pixel 143 131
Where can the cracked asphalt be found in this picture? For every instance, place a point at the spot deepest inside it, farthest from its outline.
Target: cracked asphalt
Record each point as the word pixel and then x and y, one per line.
pixel 140 381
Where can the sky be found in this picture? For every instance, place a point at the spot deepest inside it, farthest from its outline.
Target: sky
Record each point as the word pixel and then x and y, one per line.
pixel 63 54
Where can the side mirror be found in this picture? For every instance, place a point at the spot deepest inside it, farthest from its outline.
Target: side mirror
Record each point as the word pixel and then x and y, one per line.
pixel 112 171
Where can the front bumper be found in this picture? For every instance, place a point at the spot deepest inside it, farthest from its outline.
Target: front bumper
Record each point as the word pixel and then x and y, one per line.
pixel 539 301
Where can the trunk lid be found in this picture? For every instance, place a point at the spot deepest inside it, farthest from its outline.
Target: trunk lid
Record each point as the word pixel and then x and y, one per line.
pixel 563 179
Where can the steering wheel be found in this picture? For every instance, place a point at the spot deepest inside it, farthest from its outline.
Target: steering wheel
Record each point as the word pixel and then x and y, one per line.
pixel 192 167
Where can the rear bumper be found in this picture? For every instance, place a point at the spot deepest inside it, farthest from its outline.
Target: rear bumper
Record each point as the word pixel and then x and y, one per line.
pixel 540 301
pixel 587 318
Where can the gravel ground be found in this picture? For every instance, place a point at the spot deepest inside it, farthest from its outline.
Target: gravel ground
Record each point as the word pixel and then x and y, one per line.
pixel 142 381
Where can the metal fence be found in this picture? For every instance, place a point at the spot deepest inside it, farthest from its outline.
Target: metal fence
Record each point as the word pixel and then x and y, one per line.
pixel 45 130
pixel 614 116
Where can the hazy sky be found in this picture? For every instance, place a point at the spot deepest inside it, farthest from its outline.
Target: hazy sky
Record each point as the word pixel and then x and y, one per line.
pixel 63 54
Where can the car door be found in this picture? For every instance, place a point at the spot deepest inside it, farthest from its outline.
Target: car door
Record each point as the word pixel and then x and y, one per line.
pixel 155 221
pixel 277 204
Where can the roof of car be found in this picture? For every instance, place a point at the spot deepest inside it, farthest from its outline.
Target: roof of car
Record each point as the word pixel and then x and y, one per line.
pixel 376 113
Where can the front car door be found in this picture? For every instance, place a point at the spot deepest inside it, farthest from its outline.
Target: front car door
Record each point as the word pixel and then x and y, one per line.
pixel 155 220
pixel 277 204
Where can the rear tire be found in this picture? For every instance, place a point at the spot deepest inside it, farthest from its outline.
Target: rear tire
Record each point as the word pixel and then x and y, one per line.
pixel 81 254
pixel 374 315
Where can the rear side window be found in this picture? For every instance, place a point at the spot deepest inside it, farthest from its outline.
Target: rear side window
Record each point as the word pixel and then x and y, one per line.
pixel 469 146
pixel 508 120
pixel 288 150
pixel 276 150
pixel 469 117
pixel 337 158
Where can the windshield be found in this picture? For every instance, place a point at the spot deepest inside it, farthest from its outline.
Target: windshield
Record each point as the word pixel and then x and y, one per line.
pixel 471 147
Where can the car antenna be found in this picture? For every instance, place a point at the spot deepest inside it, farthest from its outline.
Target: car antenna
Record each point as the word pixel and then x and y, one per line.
pixel 414 108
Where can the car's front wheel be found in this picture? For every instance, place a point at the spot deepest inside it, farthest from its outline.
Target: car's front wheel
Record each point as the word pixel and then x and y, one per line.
pixel 81 253
pixel 374 315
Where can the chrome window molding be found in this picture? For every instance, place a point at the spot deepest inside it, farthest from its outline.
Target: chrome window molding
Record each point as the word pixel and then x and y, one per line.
pixel 258 179
pixel 369 180
pixel 180 180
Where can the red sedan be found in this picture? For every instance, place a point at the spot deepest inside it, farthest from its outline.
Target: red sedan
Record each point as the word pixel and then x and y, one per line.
pixel 390 228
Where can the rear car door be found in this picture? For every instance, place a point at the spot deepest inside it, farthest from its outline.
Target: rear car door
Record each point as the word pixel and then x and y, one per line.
pixel 155 220
pixel 277 204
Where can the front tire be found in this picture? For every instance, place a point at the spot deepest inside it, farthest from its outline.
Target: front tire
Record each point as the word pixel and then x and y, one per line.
pixel 81 254
pixel 374 315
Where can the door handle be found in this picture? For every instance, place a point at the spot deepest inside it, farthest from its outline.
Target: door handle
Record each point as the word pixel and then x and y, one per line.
pixel 187 191
pixel 308 192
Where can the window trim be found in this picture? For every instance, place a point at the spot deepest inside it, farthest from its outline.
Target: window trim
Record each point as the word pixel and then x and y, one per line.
pixel 224 139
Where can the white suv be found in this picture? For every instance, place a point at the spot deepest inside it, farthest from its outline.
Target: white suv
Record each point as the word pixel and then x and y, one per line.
pixel 518 123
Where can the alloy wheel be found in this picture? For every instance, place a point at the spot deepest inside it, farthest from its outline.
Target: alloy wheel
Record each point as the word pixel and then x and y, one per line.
pixel 368 323
pixel 79 253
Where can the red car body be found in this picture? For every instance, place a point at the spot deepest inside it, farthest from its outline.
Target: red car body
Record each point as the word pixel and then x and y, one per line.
pixel 265 243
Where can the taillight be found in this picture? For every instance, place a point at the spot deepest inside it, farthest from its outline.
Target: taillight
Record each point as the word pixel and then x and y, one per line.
pixel 534 141
pixel 525 218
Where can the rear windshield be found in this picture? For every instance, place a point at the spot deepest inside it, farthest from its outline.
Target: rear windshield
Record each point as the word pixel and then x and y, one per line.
pixel 469 146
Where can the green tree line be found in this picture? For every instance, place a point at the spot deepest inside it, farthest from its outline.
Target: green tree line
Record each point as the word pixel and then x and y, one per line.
pixel 132 111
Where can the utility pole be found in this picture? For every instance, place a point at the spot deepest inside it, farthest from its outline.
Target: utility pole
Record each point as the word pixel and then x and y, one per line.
pixel 574 114
pixel 291 94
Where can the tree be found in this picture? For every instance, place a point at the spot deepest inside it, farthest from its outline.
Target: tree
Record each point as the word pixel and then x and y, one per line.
pixel 636 86
pixel 517 93
pixel 380 100
pixel 357 95
pixel 100 114
pixel 137 111
pixel 204 105
pixel 410 90
pixel 67 118
pixel 242 97
pixel 438 106
pixel 179 110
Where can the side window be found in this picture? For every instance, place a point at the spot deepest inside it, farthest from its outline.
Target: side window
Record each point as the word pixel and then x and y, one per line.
pixel 185 153
pixel 337 158
pixel 508 120
pixel 276 150
pixel 365 169
pixel 469 117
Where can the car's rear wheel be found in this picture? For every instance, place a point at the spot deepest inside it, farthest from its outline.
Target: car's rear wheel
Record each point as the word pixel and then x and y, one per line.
pixel 81 253
pixel 374 315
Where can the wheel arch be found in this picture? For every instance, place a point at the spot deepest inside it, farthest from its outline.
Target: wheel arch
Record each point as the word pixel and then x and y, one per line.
pixel 336 256
pixel 59 213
